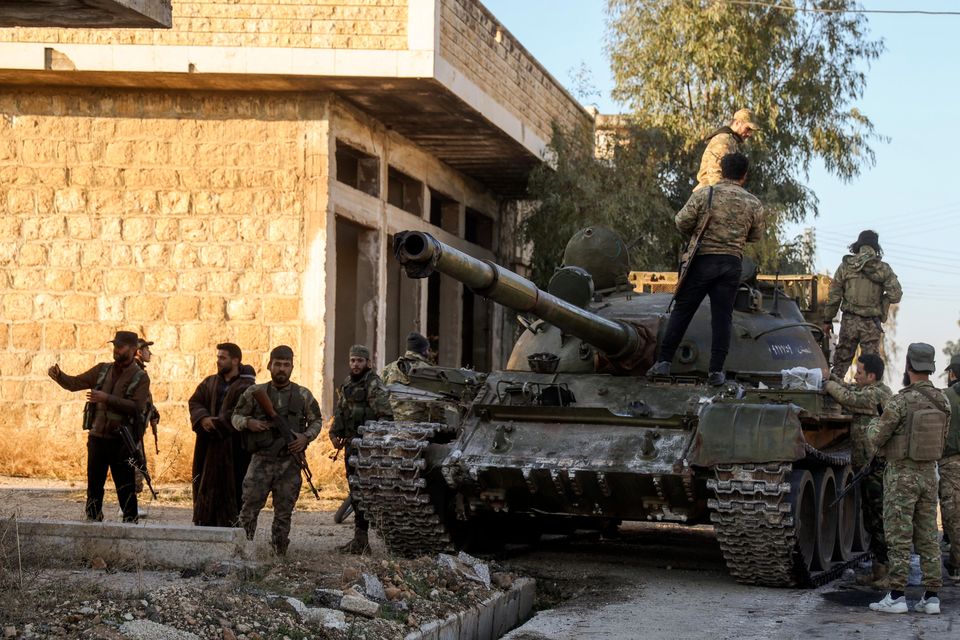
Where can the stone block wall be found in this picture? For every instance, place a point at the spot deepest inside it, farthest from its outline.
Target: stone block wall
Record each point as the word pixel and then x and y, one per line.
pixel 322 24
pixel 177 215
pixel 474 42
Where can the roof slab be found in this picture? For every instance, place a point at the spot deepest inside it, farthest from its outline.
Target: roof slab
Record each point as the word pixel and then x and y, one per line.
pixel 90 14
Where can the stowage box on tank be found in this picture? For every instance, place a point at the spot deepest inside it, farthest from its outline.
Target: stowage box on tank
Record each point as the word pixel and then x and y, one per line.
pixel 571 434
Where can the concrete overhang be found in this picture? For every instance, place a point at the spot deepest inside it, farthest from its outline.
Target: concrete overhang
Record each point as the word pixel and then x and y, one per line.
pixel 417 92
pixel 88 14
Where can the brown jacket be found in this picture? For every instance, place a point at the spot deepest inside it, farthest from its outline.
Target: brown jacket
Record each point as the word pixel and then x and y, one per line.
pixel 110 413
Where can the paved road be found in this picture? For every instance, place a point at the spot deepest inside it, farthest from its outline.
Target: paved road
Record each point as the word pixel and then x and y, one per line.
pixel 665 582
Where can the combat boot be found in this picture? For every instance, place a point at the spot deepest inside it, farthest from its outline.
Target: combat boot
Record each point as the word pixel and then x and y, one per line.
pixel 877 579
pixel 279 547
pixel 359 545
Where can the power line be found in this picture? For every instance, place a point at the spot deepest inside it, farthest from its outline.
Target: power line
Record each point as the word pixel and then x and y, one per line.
pixel 787 7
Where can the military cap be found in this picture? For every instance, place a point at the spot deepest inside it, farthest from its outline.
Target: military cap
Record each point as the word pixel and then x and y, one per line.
pixel 283 352
pixel 417 343
pixel 747 117
pixel 126 337
pixel 954 363
pixel 921 355
pixel 360 351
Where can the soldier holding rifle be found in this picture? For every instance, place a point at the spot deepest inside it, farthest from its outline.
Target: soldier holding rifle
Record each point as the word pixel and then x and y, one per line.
pixel 117 400
pixel 278 420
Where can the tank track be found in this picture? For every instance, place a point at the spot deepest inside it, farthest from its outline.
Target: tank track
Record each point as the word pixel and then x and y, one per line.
pixel 390 485
pixel 753 520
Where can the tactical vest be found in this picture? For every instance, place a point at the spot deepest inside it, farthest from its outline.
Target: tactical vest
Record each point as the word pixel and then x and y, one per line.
pixel 356 409
pixel 952 447
pixel 925 428
pixel 137 423
pixel 271 442
pixel 861 291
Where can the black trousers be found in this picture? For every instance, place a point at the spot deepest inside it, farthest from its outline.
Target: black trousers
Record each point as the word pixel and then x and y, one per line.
pixel 104 454
pixel 360 522
pixel 717 276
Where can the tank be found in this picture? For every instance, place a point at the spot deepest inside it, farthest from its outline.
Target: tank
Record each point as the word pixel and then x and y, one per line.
pixel 571 434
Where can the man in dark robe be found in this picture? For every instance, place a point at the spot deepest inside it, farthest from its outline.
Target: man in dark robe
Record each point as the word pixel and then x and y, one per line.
pixel 219 460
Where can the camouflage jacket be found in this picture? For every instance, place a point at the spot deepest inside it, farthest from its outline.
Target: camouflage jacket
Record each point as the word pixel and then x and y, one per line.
pixel 247 408
pixel 893 420
pixel 396 373
pixel 863 403
pixel 736 220
pixel 952 395
pixel 724 141
pixel 358 401
pixel 863 285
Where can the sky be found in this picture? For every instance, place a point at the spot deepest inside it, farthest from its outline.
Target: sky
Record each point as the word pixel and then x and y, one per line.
pixel 908 197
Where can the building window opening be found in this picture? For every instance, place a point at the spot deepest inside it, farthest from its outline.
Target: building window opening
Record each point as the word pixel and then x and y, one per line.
pixel 358 169
pixel 478 229
pixel 404 192
pixel 444 212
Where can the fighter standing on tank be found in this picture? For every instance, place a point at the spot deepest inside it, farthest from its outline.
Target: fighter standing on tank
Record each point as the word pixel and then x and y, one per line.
pixel 725 140
pixel 863 287
pixel 361 397
pixel 864 400
pixel 910 435
pixel 735 218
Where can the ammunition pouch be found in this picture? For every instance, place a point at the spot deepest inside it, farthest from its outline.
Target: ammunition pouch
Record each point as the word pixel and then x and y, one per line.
pixel 261 441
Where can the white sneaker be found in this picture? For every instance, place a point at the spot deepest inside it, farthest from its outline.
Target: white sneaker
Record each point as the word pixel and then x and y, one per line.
pixel 889 605
pixel 931 606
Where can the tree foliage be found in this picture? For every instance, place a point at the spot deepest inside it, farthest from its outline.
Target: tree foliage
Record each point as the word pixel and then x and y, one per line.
pixel 684 67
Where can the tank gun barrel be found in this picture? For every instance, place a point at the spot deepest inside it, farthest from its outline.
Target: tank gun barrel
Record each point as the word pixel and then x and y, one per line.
pixel 421 255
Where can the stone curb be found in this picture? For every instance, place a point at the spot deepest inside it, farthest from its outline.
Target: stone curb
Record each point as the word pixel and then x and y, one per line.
pixel 488 620
pixel 169 546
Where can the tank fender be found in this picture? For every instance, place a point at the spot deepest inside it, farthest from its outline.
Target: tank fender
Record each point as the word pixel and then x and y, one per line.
pixel 747 433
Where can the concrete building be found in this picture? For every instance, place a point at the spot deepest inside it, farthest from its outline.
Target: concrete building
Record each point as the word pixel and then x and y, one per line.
pixel 240 177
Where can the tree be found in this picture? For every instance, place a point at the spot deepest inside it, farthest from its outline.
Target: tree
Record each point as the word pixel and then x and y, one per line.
pixel 685 66
pixel 952 348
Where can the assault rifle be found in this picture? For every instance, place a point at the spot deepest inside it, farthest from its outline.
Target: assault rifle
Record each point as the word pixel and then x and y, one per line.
pixel 136 460
pixel 280 424
pixel 865 470
pixel 686 258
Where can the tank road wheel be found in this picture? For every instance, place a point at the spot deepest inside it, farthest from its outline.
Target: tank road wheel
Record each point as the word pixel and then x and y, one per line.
pixel 861 540
pixel 395 488
pixel 846 518
pixel 827 517
pixel 803 506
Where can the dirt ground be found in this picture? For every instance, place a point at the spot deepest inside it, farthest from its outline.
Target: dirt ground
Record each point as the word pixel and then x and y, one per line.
pixel 653 582
pixel 216 603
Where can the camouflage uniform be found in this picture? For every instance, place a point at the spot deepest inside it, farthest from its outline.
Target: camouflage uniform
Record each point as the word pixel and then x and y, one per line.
pixel 725 140
pixel 737 218
pixel 910 488
pixel 358 401
pixel 396 373
pixel 272 468
pixel 863 403
pixel 949 467
pixel 863 287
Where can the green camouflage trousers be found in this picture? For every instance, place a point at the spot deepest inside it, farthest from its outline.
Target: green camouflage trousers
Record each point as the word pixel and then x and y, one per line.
pixel 950 506
pixel 854 330
pixel 264 475
pixel 910 518
pixel 871 504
